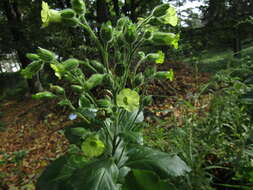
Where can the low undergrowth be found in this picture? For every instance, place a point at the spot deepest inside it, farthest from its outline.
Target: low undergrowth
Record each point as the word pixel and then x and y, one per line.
pixel 215 139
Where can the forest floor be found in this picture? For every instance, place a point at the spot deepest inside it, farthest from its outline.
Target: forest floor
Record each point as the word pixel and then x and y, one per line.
pixel 31 136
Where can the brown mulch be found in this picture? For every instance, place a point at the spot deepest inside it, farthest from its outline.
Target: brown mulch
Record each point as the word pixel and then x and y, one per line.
pixel 30 126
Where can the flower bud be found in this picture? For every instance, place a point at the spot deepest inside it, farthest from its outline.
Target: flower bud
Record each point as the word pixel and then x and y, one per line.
pixel 130 33
pixel 106 32
pixel 77 88
pixel 98 66
pixel 138 80
pixel 57 89
pixel 45 55
pixel 70 64
pixel 84 101
pixel 108 81
pixel 32 56
pixel 93 81
pixel 68 13
pixel 32 69
pixel 78 6
pixel 72 22
pixel 42 95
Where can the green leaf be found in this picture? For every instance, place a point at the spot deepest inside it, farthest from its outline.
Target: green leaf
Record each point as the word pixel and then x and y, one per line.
pixel 97 175
pixel 56 175
pixel 165 165
pixel 144 180
pixel 132 137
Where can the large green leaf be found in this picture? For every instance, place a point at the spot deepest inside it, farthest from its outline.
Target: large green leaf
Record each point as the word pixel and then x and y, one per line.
pixel 144 180
pixel 56 175
pixel 165 165
pixel 98 175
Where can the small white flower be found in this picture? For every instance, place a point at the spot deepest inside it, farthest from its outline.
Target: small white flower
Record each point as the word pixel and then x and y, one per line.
pixel 72 116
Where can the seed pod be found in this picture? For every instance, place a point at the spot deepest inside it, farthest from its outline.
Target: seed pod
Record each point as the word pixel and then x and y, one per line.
pixel 106 32
pixel 46 55
pixel 77 88
pixel 147 100
pixel 32 56
pixel 78 6
pixel 138 80
pixel 57 89
pixel 98 66
pixel 68 13
pixel 120 69
pixel 70 64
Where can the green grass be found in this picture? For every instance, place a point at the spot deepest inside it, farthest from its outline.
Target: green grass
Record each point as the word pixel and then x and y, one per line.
pixel 215 60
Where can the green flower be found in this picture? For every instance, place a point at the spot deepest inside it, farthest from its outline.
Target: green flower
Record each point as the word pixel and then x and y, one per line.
pixel 156 57
pixel 128 99
pixel 164 38
pixel 49 15
pixel 170 17
pixel 165 75
pixel 93 147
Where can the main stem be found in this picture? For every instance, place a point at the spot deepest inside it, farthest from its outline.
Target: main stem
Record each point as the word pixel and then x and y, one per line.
pixel 102 51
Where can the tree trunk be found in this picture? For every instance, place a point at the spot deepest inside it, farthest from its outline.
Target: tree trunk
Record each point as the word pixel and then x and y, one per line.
pixel 102 11
pixel 133 11
pixel 22 44
pixel 237 47
pixel 116 7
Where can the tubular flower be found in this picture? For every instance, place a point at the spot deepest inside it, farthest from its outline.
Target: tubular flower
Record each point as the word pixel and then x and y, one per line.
pixel 49 15
pixel 128 99
pixel 93 147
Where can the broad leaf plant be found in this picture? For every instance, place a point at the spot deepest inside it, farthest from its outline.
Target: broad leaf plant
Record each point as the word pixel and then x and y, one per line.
pixel 106 149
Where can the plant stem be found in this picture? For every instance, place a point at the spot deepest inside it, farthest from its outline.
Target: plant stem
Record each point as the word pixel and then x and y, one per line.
pixel 103 52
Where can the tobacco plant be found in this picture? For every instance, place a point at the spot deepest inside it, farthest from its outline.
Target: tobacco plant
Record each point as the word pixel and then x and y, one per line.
pixel 106 148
